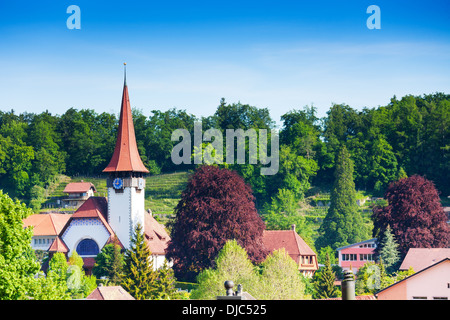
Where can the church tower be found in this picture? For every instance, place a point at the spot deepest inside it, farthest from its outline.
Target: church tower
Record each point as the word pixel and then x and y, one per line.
pixel 126 181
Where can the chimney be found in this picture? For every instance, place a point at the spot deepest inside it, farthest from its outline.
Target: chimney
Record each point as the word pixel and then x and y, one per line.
pixel 293 227
pixel 348 286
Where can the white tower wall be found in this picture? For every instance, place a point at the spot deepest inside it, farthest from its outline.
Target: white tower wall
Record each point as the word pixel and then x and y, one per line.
pixel 126 208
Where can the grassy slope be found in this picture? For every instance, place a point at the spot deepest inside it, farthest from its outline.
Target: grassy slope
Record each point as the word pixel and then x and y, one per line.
pixel 162 192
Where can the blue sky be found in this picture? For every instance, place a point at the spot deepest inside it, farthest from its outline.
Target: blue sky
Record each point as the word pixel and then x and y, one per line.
pixel 282 55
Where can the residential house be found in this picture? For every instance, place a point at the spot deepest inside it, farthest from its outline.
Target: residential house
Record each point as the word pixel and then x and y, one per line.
pixel 77 193
pixel 295 246
pixel 46 229
pixel 354 256
pixel 421 258
pixel 109 293
pixel 430 283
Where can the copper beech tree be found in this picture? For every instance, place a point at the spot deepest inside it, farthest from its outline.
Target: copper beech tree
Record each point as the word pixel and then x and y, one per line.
pixel 216 206
pixel 414 214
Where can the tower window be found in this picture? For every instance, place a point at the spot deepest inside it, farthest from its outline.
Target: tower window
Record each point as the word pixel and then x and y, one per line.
pixel 87 247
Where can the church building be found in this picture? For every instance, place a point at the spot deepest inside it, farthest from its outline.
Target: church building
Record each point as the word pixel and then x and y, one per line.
pixel 98 220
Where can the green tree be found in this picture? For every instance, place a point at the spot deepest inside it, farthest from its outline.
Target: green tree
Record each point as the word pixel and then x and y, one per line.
pixel 165 283
pixel 49 160
pixel 57 268
pixel 69 277
pixel 15 167
pixel 368 279
pixel 341 124
pixel 327 253
pixel 301 131
pixel 157 135
pixel 388 250
pixel 232 263
pixel 383 165
pixel 78 283
pixel 109 263
pixel 331 254
pixel 280 278
pixel 343 223
pixel 323 281
pixel 284 203
pixel 138 274
pixel 295 174
pixel 18 264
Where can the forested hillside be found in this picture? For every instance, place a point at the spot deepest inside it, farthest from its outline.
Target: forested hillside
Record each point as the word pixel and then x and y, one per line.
pixel 407 136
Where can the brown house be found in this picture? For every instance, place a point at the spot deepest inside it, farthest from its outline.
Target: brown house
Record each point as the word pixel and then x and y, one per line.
pixel 295 246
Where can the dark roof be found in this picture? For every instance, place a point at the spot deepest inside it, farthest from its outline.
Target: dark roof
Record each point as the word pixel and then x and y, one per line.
pixel 357 244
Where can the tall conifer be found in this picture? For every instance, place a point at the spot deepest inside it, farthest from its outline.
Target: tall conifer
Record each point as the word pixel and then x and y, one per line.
pixel 343 223
pixel 138 274
pixel 388 250
pixel 324 282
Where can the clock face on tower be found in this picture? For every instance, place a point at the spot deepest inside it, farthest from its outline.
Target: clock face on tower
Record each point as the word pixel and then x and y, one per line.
pixel 117 183
pixel 140 184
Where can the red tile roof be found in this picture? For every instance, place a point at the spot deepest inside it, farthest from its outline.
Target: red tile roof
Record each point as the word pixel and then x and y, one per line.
pixel 126 155
pixel 58 246
pixel 157 237
pixel 288 239
pixel 79 187
pixel 46 224
pixel 110 293
pixel 95 207
pixel 421 258
pixel 92 208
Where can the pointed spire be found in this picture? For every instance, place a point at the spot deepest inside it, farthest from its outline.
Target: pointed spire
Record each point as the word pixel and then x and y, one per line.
pixel 124 74
pixel 126 156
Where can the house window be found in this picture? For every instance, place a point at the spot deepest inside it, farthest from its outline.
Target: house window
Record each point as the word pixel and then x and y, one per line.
pixel 87 247
pixel 366 257
pixel 349 257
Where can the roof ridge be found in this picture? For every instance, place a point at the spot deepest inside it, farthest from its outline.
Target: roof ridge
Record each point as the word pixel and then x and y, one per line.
pixel 53 224
pixel 297 237
pixel 414 274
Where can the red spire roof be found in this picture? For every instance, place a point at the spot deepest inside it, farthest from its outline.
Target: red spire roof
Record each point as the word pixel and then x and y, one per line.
pixel 126 155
